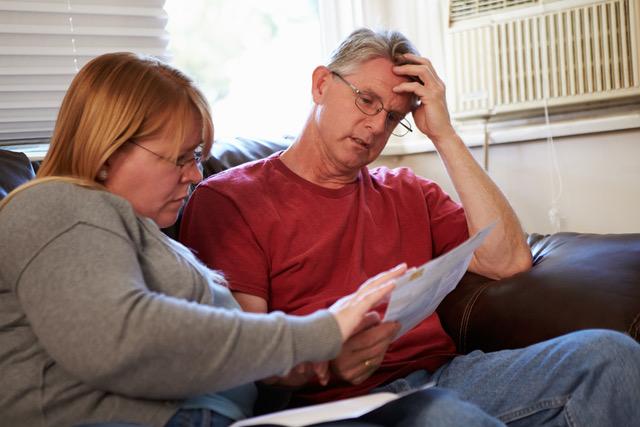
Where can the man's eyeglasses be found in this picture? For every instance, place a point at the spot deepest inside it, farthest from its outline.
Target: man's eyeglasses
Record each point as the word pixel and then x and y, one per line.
pixel 183 160
pixel 371 105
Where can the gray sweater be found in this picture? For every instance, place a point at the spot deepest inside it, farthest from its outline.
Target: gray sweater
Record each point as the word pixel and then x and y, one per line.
pixel 101 320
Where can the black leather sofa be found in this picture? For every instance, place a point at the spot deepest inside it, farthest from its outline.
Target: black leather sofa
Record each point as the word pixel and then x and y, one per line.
pixel 578 280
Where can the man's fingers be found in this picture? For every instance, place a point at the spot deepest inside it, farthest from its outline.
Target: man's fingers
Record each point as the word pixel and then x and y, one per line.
pixel 321 369
pixel 364 370
pixel 382 333
pixel 369 320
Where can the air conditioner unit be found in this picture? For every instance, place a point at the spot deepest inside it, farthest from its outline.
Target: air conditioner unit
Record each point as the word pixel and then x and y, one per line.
pixel 505 59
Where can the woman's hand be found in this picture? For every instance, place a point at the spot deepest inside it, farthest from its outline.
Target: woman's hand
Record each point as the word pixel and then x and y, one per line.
pixel 349 311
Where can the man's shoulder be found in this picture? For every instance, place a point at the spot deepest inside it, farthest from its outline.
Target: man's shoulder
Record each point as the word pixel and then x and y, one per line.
pixel 242 175
pixel 398 177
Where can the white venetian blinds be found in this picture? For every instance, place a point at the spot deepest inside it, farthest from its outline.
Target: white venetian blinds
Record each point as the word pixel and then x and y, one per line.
pixel 43 44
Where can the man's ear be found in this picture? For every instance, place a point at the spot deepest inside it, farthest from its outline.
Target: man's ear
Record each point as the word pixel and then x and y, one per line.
pixel 320 78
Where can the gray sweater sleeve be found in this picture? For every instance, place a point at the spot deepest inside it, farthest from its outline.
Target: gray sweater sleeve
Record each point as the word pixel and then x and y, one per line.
pixel 88 303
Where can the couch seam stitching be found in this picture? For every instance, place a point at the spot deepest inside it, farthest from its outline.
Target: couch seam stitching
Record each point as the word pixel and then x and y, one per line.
pixel 467 315
pixel 633 328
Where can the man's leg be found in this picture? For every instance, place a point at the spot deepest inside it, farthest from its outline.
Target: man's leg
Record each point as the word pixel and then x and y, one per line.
pixel 432 407
pixel 587 378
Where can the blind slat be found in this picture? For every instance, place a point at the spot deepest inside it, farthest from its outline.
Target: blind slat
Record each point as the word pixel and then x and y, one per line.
pixel 42 43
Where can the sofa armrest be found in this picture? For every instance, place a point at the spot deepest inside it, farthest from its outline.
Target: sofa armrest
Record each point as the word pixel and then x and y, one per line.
pixel 578 281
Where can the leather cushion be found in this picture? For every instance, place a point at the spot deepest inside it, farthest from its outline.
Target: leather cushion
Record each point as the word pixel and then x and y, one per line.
pixel 227 153
pixel 578 281
pixel 15 169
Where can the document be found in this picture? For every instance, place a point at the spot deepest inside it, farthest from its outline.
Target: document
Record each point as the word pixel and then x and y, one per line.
pixel 420 290
pixel 323 412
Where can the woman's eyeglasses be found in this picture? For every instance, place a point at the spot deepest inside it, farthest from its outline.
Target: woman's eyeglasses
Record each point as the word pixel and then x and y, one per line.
pixel 196 156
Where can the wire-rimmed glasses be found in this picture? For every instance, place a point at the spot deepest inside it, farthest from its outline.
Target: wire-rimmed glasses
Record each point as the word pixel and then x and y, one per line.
pixel 195 156
pixel 371 105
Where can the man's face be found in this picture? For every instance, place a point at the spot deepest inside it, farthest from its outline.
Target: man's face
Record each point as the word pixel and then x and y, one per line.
pixel 350 139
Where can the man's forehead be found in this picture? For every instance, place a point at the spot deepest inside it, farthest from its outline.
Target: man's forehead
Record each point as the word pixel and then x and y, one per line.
pixel 376 77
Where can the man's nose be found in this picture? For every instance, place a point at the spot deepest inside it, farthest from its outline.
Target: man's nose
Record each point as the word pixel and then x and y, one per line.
pixel 377 122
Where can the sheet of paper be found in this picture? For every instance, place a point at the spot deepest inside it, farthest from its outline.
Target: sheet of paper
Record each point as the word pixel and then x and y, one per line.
pixel 419 291
pixel 338 410
pixel 332 411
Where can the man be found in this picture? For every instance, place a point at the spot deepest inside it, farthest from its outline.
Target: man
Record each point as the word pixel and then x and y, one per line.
pixel 296 231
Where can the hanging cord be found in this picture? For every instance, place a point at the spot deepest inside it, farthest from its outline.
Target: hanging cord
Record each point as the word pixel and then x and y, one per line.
pixel 485 146
pixel 73 39
pixel 554 175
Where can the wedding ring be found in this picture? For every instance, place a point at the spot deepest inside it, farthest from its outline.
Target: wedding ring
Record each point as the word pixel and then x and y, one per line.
pixel 368 363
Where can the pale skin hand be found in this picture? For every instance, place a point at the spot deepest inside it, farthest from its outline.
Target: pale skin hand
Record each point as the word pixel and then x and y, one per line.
pixel 505 251
pixel 351 313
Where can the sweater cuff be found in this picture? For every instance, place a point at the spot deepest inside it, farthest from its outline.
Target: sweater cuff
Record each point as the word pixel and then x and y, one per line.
pixel 318 337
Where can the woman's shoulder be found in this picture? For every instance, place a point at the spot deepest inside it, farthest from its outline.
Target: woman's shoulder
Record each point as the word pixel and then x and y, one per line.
pixel 45 212
pixel 58 204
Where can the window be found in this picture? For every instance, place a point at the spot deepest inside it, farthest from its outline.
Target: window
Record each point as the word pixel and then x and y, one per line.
pixel 44 42
pixel 253 60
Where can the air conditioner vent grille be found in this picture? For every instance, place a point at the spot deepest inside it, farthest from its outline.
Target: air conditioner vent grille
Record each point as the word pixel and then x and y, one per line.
pixel 467 9
pixel 570 56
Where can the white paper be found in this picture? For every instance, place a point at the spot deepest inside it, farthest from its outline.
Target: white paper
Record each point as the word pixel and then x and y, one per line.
pixel 420 290
pixel 339 410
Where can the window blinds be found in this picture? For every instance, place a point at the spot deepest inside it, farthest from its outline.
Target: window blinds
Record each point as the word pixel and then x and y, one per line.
pixel 43 44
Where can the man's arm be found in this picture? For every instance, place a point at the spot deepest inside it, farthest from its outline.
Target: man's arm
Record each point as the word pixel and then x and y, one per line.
pixel 505 252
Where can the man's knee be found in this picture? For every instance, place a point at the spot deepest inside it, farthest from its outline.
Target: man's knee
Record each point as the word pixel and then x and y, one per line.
pixel 434 407
pixel 605 344
pixel 603 351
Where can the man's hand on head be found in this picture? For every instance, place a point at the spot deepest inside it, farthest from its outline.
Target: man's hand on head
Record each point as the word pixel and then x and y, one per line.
pixel 431 115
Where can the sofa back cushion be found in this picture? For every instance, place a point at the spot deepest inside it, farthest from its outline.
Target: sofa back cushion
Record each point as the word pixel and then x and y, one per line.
pixel 15 169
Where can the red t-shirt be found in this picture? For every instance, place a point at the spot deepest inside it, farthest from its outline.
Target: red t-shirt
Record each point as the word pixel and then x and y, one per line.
pixel 301 246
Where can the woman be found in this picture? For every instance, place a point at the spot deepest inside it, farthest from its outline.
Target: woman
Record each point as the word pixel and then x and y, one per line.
pixel 104 318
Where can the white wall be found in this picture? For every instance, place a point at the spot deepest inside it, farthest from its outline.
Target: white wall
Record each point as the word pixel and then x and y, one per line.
pixel 600 180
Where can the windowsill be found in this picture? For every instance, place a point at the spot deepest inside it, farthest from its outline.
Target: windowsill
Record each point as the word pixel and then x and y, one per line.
pixel 33 150
pixel 521 130
pixel 473 133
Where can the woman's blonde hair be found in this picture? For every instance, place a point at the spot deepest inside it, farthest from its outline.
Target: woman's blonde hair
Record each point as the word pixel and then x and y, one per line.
pixel 114 98
pixel 117 97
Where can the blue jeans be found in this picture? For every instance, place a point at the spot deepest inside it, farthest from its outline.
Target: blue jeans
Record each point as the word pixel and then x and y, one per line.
pixel 198 418
pixel 587 378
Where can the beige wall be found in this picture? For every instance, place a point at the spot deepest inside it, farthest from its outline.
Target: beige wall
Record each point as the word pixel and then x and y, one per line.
pixel 600 180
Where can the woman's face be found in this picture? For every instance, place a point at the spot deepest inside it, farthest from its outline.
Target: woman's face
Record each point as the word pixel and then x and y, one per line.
pixel 143 173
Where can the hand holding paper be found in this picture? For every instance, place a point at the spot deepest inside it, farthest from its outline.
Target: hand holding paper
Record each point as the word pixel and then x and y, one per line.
pixel 420 290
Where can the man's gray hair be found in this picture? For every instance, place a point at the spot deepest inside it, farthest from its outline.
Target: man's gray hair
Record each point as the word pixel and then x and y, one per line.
pixel 364 44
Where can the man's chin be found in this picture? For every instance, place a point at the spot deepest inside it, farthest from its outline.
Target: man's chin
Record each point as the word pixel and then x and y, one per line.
pixel 359 157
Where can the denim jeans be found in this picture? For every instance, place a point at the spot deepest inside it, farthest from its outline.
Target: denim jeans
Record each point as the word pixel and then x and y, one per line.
pixel 198 418
pixel 587 378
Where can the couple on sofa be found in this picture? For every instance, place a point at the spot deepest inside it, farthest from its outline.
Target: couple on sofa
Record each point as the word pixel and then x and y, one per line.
pixel 106 319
